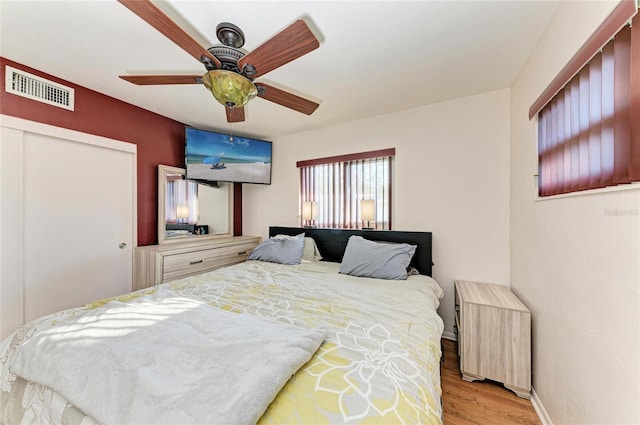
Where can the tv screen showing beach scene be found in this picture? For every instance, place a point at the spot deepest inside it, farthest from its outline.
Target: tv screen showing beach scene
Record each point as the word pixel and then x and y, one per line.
pixel 219 157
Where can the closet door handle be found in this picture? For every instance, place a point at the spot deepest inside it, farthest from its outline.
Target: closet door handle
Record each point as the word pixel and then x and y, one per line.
pixel 195 262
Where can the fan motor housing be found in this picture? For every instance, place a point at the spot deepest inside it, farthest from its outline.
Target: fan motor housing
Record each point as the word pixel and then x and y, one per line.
pixel 228 56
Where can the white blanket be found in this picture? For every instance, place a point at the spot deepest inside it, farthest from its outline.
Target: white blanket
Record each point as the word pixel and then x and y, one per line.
pixel 205 365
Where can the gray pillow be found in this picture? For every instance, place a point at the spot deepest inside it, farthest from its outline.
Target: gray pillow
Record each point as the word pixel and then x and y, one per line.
pixel 276 250
pixel 310 252
pixel 380 260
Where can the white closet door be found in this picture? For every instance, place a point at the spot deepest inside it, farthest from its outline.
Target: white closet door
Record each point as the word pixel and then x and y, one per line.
pixel 78 223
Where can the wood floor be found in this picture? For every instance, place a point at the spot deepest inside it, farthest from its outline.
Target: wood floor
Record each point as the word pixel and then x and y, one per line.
pixel 479 402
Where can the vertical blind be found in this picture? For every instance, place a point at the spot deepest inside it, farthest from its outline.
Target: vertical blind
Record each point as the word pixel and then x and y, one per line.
pixel 586 134
pixel 182 193
pixel 338 184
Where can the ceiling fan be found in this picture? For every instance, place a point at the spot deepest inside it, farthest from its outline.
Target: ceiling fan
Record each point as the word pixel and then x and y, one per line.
pixel 230 71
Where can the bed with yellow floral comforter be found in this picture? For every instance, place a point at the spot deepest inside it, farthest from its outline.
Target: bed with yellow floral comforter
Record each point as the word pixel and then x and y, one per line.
pixel 379 362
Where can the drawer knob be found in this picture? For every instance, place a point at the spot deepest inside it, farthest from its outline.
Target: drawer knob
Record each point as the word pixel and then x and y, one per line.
pixel 195 262
pixel 242 253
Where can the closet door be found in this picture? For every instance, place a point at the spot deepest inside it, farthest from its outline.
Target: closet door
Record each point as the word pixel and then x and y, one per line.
pixel 77 223
pixel 68 220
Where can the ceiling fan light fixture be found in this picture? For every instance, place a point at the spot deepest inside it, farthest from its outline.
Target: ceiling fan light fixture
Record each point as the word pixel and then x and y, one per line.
pixel 231 89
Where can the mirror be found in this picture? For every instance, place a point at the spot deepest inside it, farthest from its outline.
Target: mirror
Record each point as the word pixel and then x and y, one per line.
pixel 189 210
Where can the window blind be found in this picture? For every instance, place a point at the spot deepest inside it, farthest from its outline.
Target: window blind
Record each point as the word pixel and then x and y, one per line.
pixel 338 184
pixel 588 133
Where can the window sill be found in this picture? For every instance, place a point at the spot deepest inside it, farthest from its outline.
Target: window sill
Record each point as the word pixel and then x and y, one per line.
pixel 619 188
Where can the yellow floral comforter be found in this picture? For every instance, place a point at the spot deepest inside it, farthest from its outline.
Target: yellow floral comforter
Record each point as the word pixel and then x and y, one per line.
pixel 378 364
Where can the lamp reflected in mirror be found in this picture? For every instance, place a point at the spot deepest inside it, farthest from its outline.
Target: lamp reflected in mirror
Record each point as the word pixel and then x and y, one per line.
pixel 182 213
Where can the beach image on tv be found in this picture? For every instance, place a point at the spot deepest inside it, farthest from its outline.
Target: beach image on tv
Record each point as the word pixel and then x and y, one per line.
pixel 219 157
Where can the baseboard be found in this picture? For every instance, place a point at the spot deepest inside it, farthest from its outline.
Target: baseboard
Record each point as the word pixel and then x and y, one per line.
pixel 449 335
pixel 539 408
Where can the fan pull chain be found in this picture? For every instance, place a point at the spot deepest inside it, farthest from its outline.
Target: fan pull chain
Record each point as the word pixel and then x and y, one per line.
pixel 230 133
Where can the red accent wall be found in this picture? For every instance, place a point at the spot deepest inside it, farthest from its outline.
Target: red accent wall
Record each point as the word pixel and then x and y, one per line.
pixel 160 140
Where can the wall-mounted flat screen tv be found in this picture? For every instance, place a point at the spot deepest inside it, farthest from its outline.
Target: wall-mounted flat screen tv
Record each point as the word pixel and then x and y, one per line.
pixel 217 157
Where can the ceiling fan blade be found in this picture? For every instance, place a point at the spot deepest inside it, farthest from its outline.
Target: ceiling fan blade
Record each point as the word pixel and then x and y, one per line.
pixel 286 99
pixel 289 44
pixel 155 17
pixel 147 80
pixel 235 114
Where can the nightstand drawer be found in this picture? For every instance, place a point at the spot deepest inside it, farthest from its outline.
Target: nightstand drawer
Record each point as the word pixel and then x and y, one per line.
pixel 457 304
pixel 456 327
pixel 188 263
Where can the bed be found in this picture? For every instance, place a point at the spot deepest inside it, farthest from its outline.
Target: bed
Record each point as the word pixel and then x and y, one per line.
pixel 303 343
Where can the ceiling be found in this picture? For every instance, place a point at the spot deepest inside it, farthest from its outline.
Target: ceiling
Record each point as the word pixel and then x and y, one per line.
pixel 374 57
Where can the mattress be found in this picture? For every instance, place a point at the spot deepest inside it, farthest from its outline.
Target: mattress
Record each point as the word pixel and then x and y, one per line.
pixel 379 362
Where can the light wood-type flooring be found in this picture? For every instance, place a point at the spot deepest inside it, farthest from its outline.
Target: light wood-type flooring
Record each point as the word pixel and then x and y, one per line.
pixel 479 402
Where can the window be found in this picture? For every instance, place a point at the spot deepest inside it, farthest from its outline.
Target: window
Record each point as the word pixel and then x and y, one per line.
pixel 182 201
pixel 589 130
pixel 338 185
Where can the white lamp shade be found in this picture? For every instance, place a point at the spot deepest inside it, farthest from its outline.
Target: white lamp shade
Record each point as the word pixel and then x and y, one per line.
pixel 309 210
pixel 367 210
pixel 182 211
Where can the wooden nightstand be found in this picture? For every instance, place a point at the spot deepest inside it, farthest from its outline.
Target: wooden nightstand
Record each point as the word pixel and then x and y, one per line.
pixel 494 335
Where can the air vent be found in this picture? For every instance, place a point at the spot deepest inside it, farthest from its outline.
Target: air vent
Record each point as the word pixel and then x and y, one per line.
pixel 33 87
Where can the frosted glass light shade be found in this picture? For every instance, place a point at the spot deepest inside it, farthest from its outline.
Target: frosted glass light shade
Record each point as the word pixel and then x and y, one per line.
pixel 229 88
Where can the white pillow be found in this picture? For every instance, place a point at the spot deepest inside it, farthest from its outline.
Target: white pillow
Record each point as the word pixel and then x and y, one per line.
pixel 311 251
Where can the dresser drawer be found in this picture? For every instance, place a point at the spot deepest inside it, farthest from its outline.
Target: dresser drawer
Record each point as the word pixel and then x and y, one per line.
pixel 155 264
pixel 193 262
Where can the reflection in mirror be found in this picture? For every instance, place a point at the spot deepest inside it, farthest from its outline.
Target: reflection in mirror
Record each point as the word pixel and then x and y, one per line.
pixel 188 209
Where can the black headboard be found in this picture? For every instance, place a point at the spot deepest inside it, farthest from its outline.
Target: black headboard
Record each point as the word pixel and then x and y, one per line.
pixel 333 242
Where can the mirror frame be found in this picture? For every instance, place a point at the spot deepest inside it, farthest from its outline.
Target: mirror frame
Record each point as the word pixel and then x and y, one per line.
pixel 163 172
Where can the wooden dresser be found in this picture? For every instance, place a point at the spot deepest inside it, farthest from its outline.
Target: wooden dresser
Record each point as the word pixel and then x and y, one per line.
pixel 494 335
pixel 156 264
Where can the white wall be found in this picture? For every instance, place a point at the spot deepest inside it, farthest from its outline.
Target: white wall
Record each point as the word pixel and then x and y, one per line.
pixel 451 177
pixel 575 260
